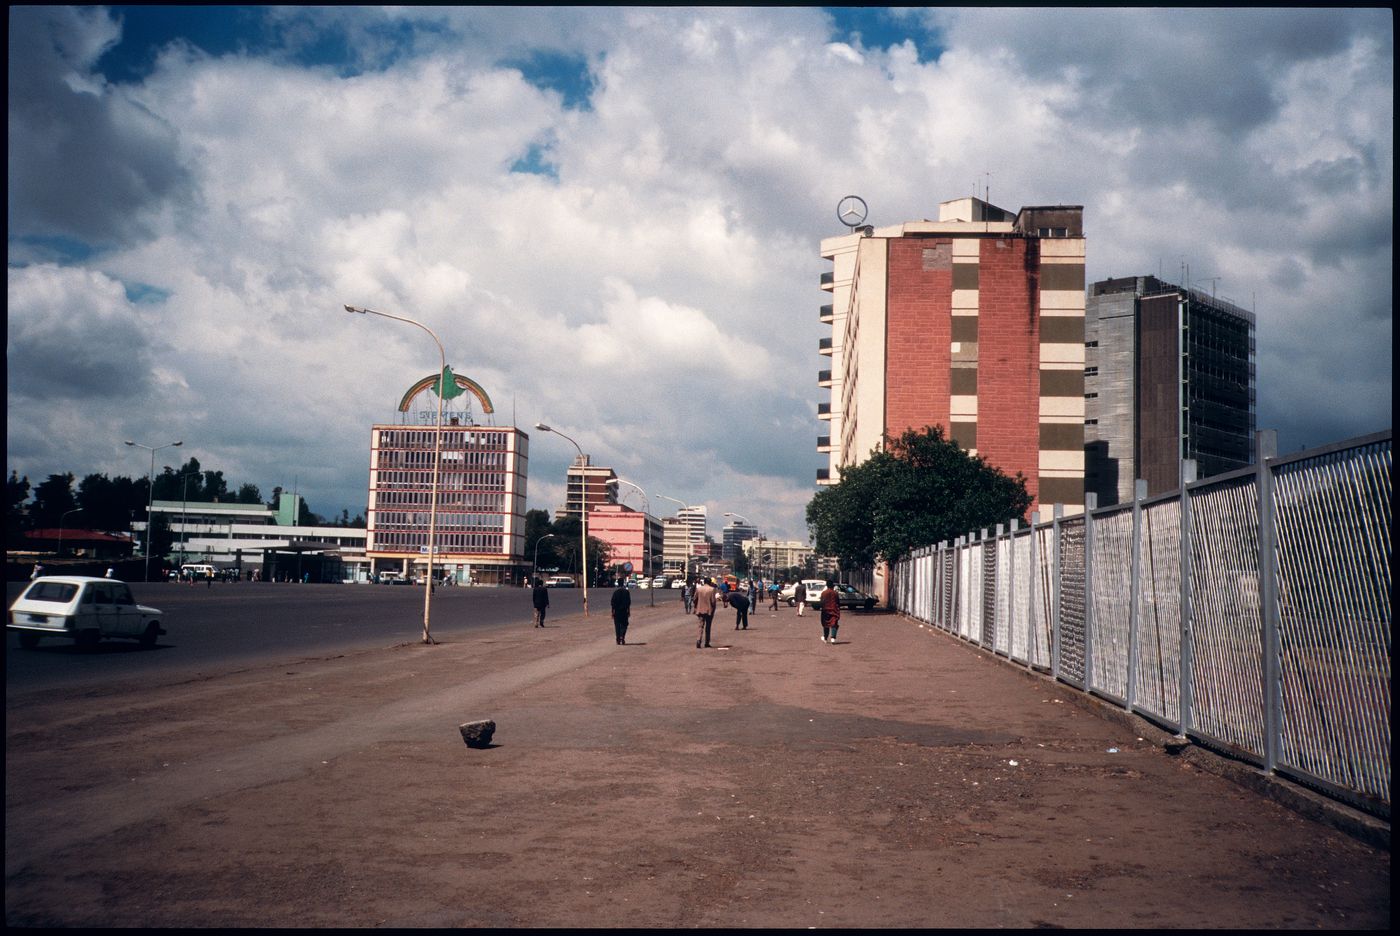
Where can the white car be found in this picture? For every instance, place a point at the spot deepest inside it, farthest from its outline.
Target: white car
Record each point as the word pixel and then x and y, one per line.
pixel 83 610
pixel 814 589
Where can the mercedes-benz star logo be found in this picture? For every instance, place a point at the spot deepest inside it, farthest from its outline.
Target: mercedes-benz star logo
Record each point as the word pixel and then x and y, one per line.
pixel 851 211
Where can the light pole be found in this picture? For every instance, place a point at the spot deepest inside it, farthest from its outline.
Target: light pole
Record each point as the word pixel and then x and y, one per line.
pixel 536 567
pixel 60 528
pixel 684 507
pixel 582 508
pixel 437 459
pixel 646 536
pixel 184 508
pixel 150 492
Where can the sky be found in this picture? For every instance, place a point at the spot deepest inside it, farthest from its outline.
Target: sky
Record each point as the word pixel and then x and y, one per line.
pixel 612 218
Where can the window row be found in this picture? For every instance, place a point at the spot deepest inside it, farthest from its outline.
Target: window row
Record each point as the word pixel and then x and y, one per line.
pixel 427 439
pixel 447 499
pixel 399 541
pixel 418 520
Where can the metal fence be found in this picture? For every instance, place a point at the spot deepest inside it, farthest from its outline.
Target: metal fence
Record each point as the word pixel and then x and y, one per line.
pixel 1249 611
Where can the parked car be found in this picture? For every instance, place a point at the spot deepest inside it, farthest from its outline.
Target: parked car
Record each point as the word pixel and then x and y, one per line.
pixel 661 581
pixel 559 581
pixel 81 609
pixel 678 583
pixel 848 598
pixel 814 588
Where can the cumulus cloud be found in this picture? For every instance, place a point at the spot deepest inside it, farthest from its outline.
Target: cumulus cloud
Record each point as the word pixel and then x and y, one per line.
pixel 654 293
pixel 86 162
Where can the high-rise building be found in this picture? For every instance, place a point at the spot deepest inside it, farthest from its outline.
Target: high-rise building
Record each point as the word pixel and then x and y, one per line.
pixel 734 534
pixel 480 522
pixel 1169 374
pixel 974 322
pixel 695 518
pixel 587 484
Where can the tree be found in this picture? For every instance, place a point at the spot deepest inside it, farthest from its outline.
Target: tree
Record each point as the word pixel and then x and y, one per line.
pixel 16 493
pixel 249 494
pixel 52 499
pixel 921 490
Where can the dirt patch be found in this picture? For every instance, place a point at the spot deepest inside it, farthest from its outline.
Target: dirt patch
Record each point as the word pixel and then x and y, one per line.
pixel 899 779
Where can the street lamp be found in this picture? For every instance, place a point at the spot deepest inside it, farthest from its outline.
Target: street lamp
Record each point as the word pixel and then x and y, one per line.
pixel 60 528
pixel 684 507
pixel 646 535
pixel 536 567
pixel 150 492
pixel 437 458
pixel 582 509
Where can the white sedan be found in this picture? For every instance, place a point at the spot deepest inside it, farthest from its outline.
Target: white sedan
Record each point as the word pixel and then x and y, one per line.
pixel 83 610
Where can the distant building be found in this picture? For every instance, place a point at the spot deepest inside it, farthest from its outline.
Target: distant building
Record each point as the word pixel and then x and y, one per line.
pixel 587 485
pixel 1169 373
pixel 974 322
pixel 675 548
pixel 632 536
pixel 734 534
pixel 696 518
pixel 778 554
pixel 245 537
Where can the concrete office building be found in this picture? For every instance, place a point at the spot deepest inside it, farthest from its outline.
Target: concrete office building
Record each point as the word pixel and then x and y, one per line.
pixel 974 322
pixel 589 486
pixel 781 554
pixel 1169 375
pixel 480 519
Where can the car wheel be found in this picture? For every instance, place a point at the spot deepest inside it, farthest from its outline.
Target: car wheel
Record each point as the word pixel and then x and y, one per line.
pixel 28 640
pixel 792 602
pixel 87 639
pixel 870 604
pixel 152 632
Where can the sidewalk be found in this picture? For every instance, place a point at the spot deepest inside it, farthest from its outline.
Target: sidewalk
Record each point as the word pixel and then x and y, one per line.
pixel 898 779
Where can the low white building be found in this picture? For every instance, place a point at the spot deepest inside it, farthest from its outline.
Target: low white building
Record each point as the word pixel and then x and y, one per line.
pixel 245 537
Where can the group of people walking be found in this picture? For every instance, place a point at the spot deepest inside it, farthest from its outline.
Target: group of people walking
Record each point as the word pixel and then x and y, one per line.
pixel 703 600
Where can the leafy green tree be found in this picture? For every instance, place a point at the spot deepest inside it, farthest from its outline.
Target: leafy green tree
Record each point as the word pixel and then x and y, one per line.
pixel 922 489
pixel 248 494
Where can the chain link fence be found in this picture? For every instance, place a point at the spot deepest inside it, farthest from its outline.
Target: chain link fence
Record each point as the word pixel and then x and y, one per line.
pixel 1249 611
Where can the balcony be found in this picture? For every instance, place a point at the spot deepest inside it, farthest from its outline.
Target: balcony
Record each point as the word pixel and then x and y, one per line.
pixel 826 313
pixel 823 410
pixel 823 475
pixel 824 443
pixel 828 281
pixel 824 346
pixel 824 378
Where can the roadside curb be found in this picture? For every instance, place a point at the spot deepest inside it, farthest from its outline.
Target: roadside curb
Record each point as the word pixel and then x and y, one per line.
pixel 1362 826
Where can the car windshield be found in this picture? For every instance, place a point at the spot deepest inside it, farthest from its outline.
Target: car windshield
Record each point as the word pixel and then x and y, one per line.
pixel 59 592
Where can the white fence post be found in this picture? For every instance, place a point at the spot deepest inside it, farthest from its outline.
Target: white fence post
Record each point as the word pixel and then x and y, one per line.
pixel 1188 475
pixel 1135 593
pixel 1266 447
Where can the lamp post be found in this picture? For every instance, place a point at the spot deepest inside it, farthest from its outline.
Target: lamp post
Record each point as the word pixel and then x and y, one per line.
pixel 683 506
pixel 646 535
pixel 582 509
pixel 437 459
pixel 184 508
pixel 150 492
pixel 60 528
pixel 535 568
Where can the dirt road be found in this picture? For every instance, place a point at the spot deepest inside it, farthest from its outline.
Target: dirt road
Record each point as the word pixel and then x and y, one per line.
pixel 897 779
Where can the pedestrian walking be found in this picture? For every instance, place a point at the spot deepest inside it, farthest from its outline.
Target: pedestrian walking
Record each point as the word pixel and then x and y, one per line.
pixel 773 593
pixel 540 599
pixel 706 601
pixel 688 595
pixel 37 571
pixel 740 604
pixel 831 613
pixel 621 610
pixel 111 572
pixel 800 594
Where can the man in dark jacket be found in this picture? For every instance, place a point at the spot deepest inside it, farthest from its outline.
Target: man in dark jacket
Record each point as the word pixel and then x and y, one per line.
pixel 621 610
pixel 540 596
pixel 740 603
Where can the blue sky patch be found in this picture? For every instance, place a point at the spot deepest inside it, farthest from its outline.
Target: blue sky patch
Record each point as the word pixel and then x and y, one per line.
pixel 51 249
pixel 568 75
pixel 536 162
pixel 879 28
pixel 138 293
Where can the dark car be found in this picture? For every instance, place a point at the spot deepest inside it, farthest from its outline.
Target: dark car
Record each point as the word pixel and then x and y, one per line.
pixel 847 597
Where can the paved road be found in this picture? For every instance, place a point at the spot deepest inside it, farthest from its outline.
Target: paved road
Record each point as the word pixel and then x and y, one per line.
pixel 213 628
